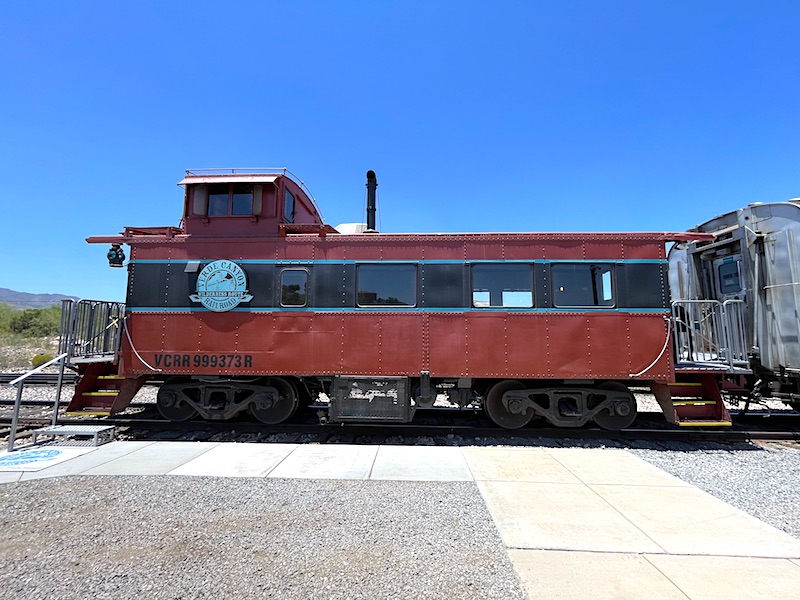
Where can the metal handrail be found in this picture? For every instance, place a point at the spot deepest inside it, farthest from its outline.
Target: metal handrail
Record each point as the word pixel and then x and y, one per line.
pixel 20 383
pixel 91 327
pixel 710 331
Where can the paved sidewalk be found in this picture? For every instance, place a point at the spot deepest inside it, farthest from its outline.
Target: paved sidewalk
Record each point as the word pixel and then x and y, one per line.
pixel 576 523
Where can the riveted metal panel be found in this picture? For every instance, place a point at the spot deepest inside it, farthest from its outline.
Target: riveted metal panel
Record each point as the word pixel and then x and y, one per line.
pixel 641 285
pixel 378 343
pixel 565 249
pixel 442 249
pixel 643 249
pixel 543 296
pixel 333 285
pixel 489 249
pixel 525 354
pixel 297 250
pixel 442 285
pixel 600 250
pixel 486 344
pixel 448 344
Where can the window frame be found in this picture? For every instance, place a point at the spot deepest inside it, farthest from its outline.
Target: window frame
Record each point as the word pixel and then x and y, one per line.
pixel 288 193
pixel 503 266
pixel 306 294
pixel 230 201
pixel 608 268
pixel 414 271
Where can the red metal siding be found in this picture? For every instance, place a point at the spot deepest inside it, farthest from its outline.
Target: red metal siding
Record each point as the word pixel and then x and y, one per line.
pixel 541 345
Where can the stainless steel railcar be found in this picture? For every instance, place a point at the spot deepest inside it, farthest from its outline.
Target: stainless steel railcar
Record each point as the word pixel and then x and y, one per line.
pixel 736 299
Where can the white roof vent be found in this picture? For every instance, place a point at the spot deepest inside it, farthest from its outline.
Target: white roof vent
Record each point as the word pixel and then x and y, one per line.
pixel 351 228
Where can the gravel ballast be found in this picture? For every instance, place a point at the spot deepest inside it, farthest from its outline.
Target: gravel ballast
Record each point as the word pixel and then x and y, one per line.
pixel 763 481
pixel 198 537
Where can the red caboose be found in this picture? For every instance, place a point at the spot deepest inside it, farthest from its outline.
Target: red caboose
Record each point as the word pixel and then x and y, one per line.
pixel 254 303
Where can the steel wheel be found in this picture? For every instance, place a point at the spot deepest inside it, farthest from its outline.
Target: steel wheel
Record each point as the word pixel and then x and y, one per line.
pixel 170 403
pixel 622 413
pixel 267 409
pixel 503 415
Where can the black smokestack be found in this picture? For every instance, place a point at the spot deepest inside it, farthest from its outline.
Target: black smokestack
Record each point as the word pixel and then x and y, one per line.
pixel 372 187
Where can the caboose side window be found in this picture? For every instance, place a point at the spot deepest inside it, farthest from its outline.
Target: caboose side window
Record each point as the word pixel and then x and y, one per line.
pixel 582 285
pixel 218 200
pixel 294 284
pixel 506 286
pixel 386 285
pixel 288 206
pixel 226 199
pixel 241 199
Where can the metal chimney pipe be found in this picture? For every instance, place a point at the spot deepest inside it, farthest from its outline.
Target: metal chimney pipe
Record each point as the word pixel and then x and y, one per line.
pixel 372 186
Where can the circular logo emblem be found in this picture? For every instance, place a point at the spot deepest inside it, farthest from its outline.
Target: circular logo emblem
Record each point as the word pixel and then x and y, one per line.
pixel 29 456
pixel 221 286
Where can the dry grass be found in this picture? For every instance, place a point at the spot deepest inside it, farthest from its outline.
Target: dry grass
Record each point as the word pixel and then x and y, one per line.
pixel 16 353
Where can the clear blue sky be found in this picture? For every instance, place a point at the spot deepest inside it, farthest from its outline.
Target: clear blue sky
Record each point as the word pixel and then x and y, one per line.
pixel 575 115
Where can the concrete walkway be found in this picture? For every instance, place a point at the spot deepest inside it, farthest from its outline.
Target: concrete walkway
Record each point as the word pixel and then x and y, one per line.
pixel 577 523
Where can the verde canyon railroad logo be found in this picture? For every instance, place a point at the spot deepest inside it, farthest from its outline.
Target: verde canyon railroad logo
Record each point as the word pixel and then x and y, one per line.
pixel 221 286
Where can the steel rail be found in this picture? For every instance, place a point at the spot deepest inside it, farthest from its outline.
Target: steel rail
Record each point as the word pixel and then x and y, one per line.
pixel 447 433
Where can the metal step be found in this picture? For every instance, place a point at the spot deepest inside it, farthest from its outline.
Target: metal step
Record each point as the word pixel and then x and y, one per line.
pixel 100 434
pixel 704 423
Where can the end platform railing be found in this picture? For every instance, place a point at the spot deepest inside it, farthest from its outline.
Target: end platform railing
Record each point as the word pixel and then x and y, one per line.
pixel 90 329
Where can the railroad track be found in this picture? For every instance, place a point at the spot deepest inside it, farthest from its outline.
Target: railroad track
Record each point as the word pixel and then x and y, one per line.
pixel 39 378
pixel 476 429
pixel 755 426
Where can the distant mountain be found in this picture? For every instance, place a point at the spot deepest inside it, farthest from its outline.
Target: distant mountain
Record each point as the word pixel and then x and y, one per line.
pixel 22 300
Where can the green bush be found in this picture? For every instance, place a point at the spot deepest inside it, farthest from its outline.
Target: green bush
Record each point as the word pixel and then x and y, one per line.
pixel 36 322
pixel 40 359
pixel 6 314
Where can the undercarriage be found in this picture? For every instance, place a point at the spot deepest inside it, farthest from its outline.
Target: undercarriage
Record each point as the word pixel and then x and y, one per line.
pixel 508 403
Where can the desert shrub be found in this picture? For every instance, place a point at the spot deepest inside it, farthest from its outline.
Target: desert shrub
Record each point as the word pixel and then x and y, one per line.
pixel 36 322
pixel 6 314
pixel 40 359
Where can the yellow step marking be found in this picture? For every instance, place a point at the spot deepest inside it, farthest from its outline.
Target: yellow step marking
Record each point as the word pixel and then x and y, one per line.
pixel 694 403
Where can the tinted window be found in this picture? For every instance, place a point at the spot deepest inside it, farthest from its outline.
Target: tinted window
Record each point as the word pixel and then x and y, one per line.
pixel 288 206
pixel 582 285
pixel 218 200
pixel 293 287
pixel 507 286
pixel 230 199
pixel 387 285
pixel 242 199
pixel 729 278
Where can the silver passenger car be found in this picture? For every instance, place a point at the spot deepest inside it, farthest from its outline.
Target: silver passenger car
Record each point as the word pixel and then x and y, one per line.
pixel 736 299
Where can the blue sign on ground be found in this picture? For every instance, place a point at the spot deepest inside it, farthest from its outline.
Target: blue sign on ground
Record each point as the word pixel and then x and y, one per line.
pixel 29 456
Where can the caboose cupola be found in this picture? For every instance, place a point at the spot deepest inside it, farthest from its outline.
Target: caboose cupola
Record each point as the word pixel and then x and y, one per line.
pixel 246 202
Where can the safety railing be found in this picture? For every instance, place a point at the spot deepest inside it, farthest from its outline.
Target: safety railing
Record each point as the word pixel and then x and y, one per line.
pixel 20 383
pixel 90 329
pixel 710 332
pixel 737 348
